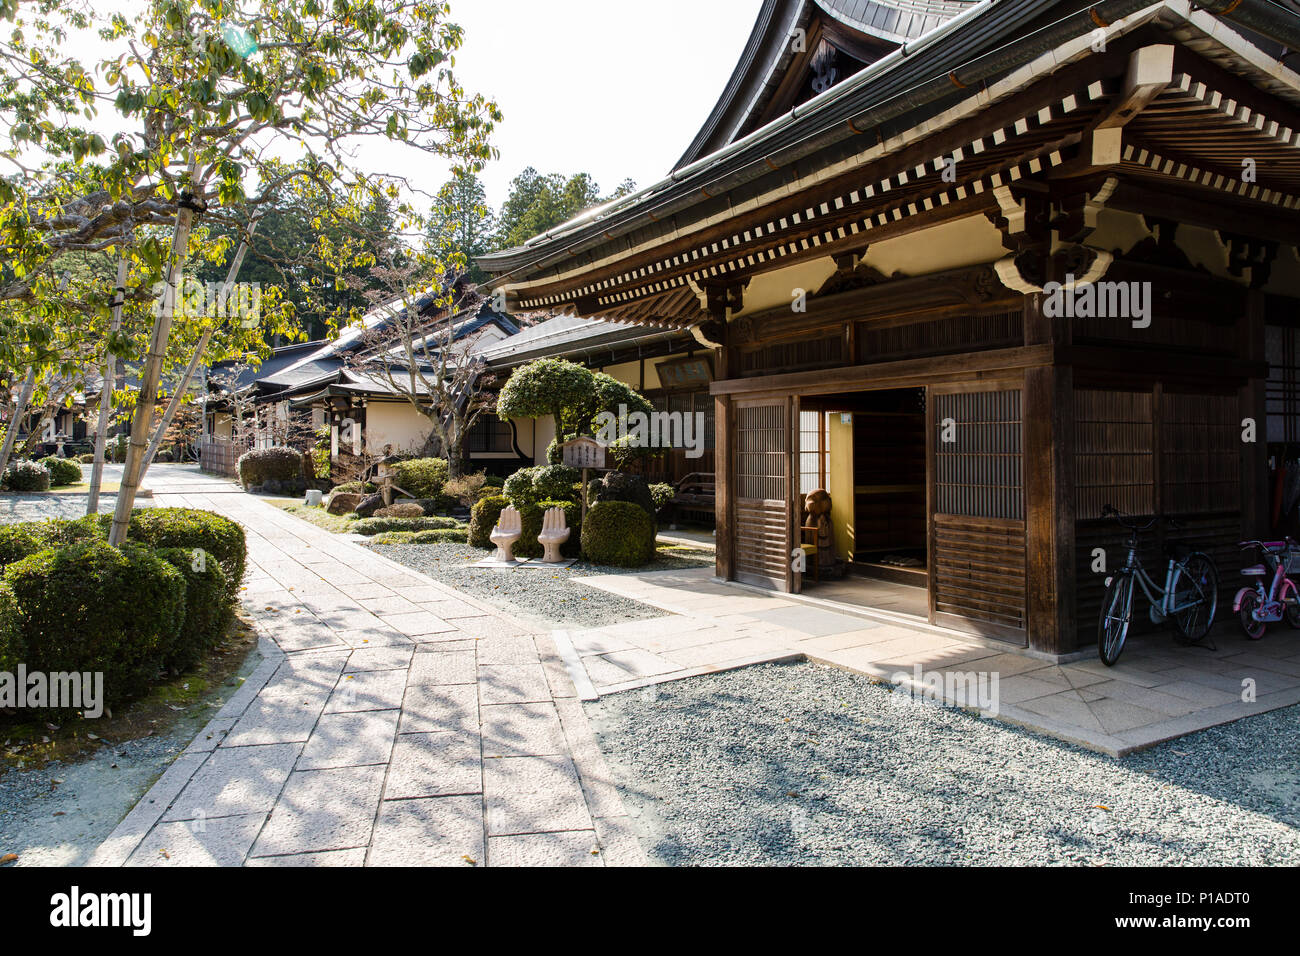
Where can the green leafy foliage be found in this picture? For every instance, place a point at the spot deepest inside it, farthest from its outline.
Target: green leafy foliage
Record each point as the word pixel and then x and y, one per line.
pixel 369 526
pixel 483 518
pixel 261 465
pixel 207 607
pixel 434 536
pixel 422 477
pixel 27 477
pixel 621 486
pixel 618 533
pixel 63 471
pixel 662 494
pixel 92 607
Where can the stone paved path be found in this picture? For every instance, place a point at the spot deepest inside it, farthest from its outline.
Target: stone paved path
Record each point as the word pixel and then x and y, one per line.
pixel 393 721
pixel 1156 692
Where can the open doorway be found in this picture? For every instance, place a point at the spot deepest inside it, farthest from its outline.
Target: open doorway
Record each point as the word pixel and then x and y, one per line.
pixel 868 451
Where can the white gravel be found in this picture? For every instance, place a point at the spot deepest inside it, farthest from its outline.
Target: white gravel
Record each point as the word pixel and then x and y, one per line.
pixel 806 764
pixel 543 596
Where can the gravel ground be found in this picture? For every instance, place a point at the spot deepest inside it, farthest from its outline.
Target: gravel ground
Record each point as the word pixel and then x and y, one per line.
pixel 58 813
pixel 549 597
pixel 806 764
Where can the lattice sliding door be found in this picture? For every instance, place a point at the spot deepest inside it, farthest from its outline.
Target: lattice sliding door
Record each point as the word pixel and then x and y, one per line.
pixel 977 553
pixel 763 540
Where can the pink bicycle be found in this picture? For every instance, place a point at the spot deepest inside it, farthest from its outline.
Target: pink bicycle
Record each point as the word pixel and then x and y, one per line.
pixel 1257 606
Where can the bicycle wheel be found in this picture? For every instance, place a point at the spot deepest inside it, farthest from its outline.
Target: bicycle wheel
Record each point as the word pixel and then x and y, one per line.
pixel 1198 587
pixel 1116 613
pixel 1292 600
pixel 1246 613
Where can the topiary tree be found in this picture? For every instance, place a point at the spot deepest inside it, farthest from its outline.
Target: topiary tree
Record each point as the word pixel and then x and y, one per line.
pixel 618 533
pixel 571 394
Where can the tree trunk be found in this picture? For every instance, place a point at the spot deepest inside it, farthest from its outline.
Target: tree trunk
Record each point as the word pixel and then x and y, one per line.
pixel 142 420
pixel 20 409
pixel 106 393
pixel 183 388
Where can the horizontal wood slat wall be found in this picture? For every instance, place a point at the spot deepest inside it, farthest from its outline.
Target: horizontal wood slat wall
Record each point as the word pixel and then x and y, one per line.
pixel 978 574
pixel 762 530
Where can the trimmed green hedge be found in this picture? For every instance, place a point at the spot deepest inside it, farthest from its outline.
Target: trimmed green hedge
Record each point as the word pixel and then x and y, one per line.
pixel 483 518
pixel 92 607
pixel 87 459
pixel 434 536
pixel 26 476
pixel 191 528
pixel 370 526
pixel 421 477
pixel 355 488
pixel 207 606
pixel 261 465
pixel 17 541
pixel 63 471
pixel 618 533
pixel 9 634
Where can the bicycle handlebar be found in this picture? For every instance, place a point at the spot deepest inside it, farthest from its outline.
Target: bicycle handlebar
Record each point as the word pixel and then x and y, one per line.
pixel 1110 511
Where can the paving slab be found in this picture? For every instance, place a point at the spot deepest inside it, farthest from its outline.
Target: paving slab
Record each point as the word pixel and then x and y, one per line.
pixel 359 738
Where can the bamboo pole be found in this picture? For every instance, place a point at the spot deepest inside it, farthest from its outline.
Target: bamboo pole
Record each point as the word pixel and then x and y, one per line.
pixel 20 409
pixel 142 419
pixel 179 395
pixel 106 393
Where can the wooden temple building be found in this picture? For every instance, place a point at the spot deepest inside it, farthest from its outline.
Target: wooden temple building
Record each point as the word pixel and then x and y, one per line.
pixel 977 270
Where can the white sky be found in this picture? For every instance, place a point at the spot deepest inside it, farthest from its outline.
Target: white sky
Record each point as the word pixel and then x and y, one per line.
pixel 615 88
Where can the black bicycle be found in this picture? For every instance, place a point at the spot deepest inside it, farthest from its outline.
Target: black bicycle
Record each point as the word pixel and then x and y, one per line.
pixel 1189 598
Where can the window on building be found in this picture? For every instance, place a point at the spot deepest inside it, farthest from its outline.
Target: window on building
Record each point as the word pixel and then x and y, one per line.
pixel 813 451
pixel 489 435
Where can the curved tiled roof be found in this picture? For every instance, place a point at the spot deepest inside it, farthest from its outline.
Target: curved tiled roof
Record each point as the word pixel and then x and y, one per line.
pixel 897 20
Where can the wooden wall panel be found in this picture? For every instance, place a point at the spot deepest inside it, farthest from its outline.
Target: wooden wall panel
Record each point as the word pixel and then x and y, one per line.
pixel 1152 452
pixel 978 574
pixel 1114 443
pixel 977 537
pixel 939 335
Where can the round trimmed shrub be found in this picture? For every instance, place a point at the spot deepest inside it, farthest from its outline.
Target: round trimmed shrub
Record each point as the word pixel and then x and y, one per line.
pixel 618 533
pixel 556 482
pixel 63 471
pixel 207 606
pixel 261 465
pixel 483 518
pixel 519 488
pixel 27 476
pixel 92 607
pixel 87 459
pixel 421 477
pixel 190 528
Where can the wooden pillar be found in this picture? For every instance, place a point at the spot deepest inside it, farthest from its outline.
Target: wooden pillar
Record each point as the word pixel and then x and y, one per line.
pixel 723 429
pixel 1048 415
pixel 1256 516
